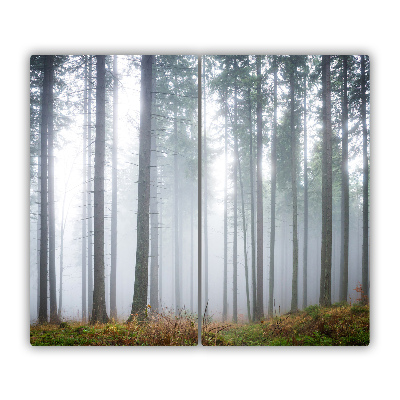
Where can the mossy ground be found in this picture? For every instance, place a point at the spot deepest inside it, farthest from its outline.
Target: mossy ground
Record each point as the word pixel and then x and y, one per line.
pixel 339 325
pixel 162 330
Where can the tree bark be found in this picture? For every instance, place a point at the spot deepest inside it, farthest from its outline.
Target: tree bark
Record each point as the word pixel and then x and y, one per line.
pixel 326 248
pixel 43 190
pixel 273 194
pixel 142 250
pixel 84 195
pixel 365 277
pixel 225 283
pixel 114 200
pixel 153 214
pixel 260 238
pixel 99 313
pixel 344 245
pixel 305 249
pixel 294 303
pixel 89 197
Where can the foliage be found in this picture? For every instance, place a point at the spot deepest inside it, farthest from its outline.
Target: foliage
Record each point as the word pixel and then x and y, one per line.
pixel 164 329
pixel 339 325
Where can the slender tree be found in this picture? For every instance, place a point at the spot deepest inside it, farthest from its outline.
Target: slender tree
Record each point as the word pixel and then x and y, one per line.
pixel 84 209
pixel 273 193
pixel 293 145
pixel 305 248
pixel 89 196
pixel 142 249
pixel 225 283
pixel 99 313
pixel 326 248
pixel 365 277
pixel 43 189
pixel 114 201
pixel 344 244
pixel 260 307
pixel 153 212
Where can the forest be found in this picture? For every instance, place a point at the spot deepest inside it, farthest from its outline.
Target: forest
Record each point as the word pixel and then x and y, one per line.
pixel 215 200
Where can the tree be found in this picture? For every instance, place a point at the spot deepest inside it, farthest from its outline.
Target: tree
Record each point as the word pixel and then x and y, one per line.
pixel 153 212
pixel 326 248
pixel 48 70
pixel 84 209
pixel 99 313
pixel 344 245
pixel 305 249
pixel 259 307
pixel 142 250
pixel 365 277
pixel 114 219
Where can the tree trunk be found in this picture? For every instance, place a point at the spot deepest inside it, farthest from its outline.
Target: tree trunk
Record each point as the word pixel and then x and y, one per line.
pixel 84 210
pixel 176 212
pixel 365 277
pixel 99 313
pixel 142 250
pixel 235 163
pixel 43 190
pixel 114 205
pixel 326 248
pixel 89 197
pixel 259 307
pixel 246 267
pixel 344 245
pixel 52 223
pixel 252 222
pixel 294 304
pixel 205 165
pixel 225 283
pixel 273 194
pixel 153 214
pixel 305 249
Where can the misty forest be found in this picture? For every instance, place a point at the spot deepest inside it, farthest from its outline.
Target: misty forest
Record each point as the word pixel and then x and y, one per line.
pixel 121 215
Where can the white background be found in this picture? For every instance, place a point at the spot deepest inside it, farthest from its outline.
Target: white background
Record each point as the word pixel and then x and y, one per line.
pixel 207 27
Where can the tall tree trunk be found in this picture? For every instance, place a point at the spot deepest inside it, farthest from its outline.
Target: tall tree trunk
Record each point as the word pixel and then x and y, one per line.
pixel 99 313
pixel 326 248
pixel 246 267
pixel 153 213
pixel 160 273
pixel 84 195
pixel 142 250
pixel 365 277
pixel 252 222
pixel 52 223
pixel 176 212
pixel 43 190
pixel 114 205
pixel 273 194
pixel 260 237
pixel 205 166
pixel 89 197
pixel 305 249
pixel 344 244
pixel 191 249
pixel 235 165
pixel 294 304
pixel 225 283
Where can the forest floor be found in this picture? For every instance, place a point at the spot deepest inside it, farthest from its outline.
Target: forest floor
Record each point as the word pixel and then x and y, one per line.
pixel 340 325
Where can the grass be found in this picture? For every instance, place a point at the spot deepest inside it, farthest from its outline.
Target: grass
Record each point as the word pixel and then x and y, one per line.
pixel 339 325
pixel 159 330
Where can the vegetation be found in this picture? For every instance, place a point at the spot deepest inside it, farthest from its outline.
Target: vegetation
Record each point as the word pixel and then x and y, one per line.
pixel 342 324
pixel 164 329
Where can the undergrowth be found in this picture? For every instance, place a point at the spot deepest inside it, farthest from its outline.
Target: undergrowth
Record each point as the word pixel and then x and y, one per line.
pixel 164 329
pixel 340 325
